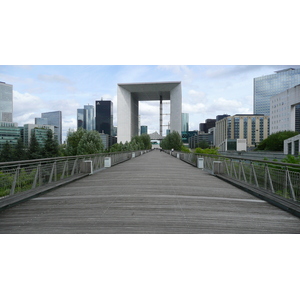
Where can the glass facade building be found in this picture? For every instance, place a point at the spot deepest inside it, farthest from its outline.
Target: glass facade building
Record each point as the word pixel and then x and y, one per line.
pixel 265 87
pixel 104 116
pixel 144 129
pixel 184 122
pixel 9 132
pixel 89 117
pixel 6 102
pixel 80 120
pixel 55 119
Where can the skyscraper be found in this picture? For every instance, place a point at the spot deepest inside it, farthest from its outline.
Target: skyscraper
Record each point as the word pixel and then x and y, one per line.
pixel 6 102
pixel 184 122
pixel 89 117
pixel 104 116
pixel 267 86
pixel 144 129
pixel 55 118
pixel 80 118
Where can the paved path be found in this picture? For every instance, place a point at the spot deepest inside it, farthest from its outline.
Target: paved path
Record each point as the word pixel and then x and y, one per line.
pixel 153 193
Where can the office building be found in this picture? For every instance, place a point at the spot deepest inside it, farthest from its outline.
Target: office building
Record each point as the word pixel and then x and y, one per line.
pixel 254 128
pixel 40 132
pixel 41 121
pixel 184 122
pixel 89 117
pixel 144 129
pixel 9 132
pixel 55 118
pixel 209 123
pixel 80 118
pixel 270 85
pixel 104 116
pixel 186 135
pixel 196 139
pixel 6 102
pixel 283 112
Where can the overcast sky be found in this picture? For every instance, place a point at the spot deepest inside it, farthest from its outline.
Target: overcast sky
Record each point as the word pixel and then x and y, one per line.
pixel 207 90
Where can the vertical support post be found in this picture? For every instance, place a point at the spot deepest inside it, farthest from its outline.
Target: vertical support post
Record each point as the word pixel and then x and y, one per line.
pixel 290 183
pixel 53 171
pixel 160 115
pixel 74 166
pixel 12 191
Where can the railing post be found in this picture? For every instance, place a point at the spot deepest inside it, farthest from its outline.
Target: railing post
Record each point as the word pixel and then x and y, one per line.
pixel 290 183
pixel 38 168
pixel 64 170
pixel 53 171
pixel 74 166
pixel 12 190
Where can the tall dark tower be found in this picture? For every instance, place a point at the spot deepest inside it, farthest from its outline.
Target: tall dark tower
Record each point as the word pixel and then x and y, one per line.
pixel 104 116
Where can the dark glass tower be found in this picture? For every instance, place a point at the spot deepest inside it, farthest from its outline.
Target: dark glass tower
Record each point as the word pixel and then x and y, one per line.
pixel 104 116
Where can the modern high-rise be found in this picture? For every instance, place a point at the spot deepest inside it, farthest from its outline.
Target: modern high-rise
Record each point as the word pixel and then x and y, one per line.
pixel 254 128
pixel 104 116
pixel 6 102
pixel 40 132
pixel 184 122
pixel 55 118
pixel 283 112
pixel 209 123
pixel 144 129
pixel 80 118
pixel 265 87
pixel 89 117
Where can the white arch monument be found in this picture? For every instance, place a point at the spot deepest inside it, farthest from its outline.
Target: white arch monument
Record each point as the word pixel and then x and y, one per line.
pixel 129 95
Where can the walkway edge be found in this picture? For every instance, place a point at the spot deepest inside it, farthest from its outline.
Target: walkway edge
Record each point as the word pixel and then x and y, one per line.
pixel 9 201
pixel 280 202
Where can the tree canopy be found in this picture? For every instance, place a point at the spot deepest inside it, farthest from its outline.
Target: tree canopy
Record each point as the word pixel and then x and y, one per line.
pixel 82 142
pixel 275 141
pixel 172 141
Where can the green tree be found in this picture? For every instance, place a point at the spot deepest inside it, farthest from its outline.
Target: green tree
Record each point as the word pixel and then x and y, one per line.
pixel 90 143
pixel 34 150
pixel 73 139
pixel 202 145
pixel 6 153
pixel 275 141
pixel 51 148
pixel 172 141
pixel 20 152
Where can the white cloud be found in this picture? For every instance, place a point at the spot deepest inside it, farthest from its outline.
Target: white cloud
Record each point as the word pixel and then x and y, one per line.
pixel 54 78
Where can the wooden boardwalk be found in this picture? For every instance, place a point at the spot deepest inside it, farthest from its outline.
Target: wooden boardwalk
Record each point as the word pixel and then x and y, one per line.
pixel 152 193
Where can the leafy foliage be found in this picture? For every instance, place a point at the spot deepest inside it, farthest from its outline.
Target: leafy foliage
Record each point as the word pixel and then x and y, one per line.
pixel 202 145
pixel 51 148
pixel 73 139
pixel 34 150
pixel 90 143
pixel 185 149
pixel 290 159
pixel 142 142
pixel 6 153
pixel 207 151
pixel 20 152
pixel 172 141
pixel 275 141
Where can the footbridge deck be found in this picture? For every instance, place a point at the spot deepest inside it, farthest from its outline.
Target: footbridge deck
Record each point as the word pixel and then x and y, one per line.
pixel 153 193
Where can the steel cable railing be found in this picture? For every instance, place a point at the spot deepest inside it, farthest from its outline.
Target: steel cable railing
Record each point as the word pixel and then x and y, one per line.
pixel 282 179
pixel 25 175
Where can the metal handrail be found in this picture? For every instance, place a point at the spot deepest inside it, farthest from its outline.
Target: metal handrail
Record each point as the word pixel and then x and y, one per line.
pixel 278 178
pixel 19 176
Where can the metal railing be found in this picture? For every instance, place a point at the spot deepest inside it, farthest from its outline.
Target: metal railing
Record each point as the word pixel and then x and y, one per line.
pixel 282 179
pixel 25 175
